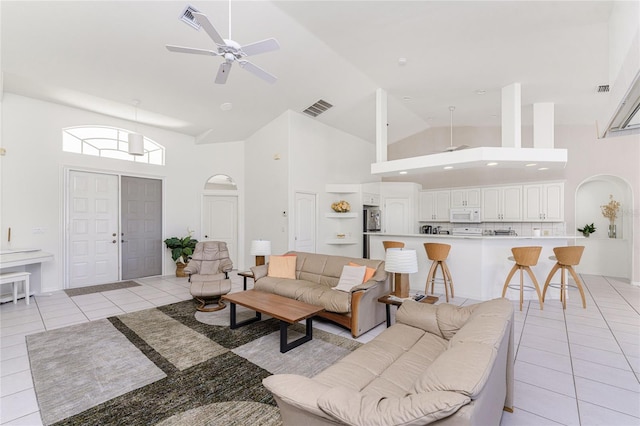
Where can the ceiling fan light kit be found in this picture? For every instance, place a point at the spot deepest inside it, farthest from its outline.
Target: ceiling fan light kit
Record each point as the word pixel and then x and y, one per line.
pixel 230 50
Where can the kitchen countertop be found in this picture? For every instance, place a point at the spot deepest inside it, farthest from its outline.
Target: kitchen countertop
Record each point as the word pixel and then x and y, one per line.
pixel 481 237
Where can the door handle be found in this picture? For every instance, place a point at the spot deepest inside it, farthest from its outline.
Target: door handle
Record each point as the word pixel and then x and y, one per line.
pixel 114 241
pixel 123 241
pixel 206 236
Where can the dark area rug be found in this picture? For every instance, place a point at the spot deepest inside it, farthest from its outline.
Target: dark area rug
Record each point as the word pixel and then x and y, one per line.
pixel 206 374
pixel 98 288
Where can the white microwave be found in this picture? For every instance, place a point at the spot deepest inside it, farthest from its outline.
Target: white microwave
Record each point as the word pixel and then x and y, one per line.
pixel 465 216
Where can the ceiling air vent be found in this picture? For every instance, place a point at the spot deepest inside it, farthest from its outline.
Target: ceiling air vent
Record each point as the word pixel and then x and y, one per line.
pixel 603 88
pixel 317 108
pixel 187 16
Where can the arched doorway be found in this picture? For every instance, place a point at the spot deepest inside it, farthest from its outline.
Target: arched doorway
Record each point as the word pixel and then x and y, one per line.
pixel 604 255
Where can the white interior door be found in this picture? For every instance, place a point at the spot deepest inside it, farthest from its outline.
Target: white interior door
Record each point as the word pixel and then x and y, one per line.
pixel 305 222
pixel 141 234
pixel 396 216
pixel 220 222
pixel 93 249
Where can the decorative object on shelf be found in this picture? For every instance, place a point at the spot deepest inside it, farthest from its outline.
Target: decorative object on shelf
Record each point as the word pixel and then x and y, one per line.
pixel 181 251
pixel 341 235
pixel 341 207
pixel 260 249
pixel 401 262
pixel 610 211
pixel 587 230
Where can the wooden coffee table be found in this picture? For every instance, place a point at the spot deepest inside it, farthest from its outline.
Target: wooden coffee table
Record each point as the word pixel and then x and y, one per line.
pixel 388 302
pixel 288 311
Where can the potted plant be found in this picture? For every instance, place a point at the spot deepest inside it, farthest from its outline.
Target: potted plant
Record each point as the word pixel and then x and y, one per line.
pixel 181 251
pixel 587 229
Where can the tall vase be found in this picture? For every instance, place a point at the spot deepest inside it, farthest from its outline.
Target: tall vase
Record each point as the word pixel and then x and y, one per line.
pixel 612 231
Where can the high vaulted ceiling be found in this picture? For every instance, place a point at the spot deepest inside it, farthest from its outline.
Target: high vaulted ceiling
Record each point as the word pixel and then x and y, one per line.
pixel 101 56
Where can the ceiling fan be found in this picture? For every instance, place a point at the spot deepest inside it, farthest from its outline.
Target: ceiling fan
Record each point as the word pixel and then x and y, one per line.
pixel 230 50
pixel 452 148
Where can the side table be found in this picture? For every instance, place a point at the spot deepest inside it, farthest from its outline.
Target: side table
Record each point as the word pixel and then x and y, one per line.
pixel 388 302
pixel 245 275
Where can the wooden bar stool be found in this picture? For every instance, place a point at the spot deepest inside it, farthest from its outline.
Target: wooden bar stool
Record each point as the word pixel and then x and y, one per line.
pixel 438 254
pixel 567 258
pixel 524 258
pixel 392 244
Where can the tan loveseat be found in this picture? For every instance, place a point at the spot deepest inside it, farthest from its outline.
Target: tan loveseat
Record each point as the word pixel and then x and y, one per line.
pixel 438 364
pixel 317 274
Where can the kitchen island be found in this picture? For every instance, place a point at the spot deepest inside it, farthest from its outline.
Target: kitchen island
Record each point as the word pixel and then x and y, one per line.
pixel 479 264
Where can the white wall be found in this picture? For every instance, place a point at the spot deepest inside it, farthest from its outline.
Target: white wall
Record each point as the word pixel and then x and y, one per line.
pixel 267 183
pixel 311 154
pixel 32 173
pixel 324 155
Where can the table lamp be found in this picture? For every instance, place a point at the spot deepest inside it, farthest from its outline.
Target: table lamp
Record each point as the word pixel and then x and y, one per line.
pixel 401 262
pixel 260 249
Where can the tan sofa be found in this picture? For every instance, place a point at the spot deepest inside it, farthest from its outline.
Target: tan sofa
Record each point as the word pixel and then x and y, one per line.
pixel 438 364
pixel 317 274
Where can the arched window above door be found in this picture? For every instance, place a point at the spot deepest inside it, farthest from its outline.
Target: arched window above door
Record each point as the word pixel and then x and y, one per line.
pixel 223 182
pixel 109 142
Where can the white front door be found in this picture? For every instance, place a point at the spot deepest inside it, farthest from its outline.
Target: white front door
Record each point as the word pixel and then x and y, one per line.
pixel 220 222
pixel 93 249
pixel 305 222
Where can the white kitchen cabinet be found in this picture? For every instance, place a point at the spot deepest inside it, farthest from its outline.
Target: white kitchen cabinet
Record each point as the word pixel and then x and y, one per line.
pixel 544 202
pixel 396 216
pixel 369 199
pixel 399 207
pixel 461 198
pixel 502 204
pixel 434 206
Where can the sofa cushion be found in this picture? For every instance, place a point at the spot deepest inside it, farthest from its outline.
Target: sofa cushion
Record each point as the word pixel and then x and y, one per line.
pixel 486 329
pixel 387 365
pixel 282 267
pixel 451 318
pixel 351 276
pixel 355 408
pixel 462 368
pixel 304 291
pixel 420 315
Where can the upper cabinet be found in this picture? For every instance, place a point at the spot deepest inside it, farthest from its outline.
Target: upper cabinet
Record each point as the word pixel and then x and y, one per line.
pixel 466 197
pixel 544 202
pixel 371 194
pixel 502 204
pixel 434 206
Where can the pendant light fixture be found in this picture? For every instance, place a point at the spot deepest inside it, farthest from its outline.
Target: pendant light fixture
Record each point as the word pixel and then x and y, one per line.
pixel 136 140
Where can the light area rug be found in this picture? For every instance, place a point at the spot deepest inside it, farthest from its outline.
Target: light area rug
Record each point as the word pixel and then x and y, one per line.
pixel 71 292
pixel 174 366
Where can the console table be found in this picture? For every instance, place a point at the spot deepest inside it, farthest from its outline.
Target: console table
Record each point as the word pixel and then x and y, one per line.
pixel 27 260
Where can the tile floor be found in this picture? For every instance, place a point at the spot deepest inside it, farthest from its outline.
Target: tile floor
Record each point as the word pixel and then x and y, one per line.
pixel 573 367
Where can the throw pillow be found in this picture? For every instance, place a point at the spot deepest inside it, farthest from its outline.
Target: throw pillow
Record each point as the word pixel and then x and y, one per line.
pixel 282 267
pixel 351 276
pixel 367 275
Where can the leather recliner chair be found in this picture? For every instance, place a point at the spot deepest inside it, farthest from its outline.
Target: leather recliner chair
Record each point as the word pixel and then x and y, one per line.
pixel 208 272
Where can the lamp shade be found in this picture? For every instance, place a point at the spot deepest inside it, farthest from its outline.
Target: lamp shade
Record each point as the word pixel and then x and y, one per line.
pixel 401 261
pixel 260 248
pixel 136 144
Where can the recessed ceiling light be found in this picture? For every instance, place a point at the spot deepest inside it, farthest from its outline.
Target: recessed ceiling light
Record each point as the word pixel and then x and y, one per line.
pixel 406 98
pixel 403 172
pixel 480 92
pixel 402 61
pixel 492 164
pixel 543 168
pixel 530 165
pixel 226 106
pixel 448 167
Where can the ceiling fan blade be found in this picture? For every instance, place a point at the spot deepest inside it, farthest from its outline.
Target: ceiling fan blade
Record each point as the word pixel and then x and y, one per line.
pixel 223 73
pixel 181 49
pixel 259 47
pixel 259 72
pixel 209 28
